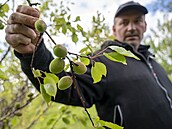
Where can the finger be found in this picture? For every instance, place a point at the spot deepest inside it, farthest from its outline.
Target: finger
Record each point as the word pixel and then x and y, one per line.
pixel 16 39
pixel 28 10
pixel 37 39
pixel 21 29
pixel 19 18
pixel 25 49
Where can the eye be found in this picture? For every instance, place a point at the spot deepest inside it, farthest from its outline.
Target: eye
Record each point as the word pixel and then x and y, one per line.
pixel 124 22
pixel 139 20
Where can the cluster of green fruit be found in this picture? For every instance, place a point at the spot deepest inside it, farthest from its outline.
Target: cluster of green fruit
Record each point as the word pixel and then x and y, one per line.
pixel 57 65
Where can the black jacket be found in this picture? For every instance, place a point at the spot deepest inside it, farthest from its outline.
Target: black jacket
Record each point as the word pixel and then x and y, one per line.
pixel 137 95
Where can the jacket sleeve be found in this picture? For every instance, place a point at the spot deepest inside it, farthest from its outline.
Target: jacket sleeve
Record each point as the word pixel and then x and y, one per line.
pixel 90 92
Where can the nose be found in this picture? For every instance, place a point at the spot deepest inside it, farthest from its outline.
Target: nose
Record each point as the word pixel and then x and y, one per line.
pixel 131 27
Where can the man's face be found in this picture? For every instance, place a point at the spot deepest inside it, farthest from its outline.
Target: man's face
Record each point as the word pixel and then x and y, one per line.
pixel 129 27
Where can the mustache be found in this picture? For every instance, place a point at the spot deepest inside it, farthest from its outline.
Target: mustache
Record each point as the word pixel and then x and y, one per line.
pixel 131 33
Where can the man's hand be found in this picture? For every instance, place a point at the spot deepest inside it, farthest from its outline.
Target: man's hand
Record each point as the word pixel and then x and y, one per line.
pixel 20 31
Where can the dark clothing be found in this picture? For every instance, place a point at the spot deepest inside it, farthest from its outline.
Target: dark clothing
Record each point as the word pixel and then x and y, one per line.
pixel 137 95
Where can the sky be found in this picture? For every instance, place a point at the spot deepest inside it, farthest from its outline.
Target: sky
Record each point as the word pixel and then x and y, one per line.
pixel 86 9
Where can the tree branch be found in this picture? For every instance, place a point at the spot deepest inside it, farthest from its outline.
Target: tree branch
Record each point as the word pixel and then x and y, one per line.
pixel 21 107
pixel 79 92
pixel 36 46
pixel 33 122
pixel 5 54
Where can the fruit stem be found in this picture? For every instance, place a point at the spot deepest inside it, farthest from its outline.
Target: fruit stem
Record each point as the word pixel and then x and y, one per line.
pixel 70 53
pixel 50 37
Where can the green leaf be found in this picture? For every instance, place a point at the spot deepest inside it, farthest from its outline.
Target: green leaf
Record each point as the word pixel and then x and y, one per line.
pixel 6 8
pixel 50 86
pixel 50 89
pixel 45 96
pixel 77 19
pixel 101 123
pixel 94 19
pixel 66 120
pixel 116 57
pixel 83 121
pixel 68 17
pixel 50 122
pixel 2 75
pixel 123 51
pixel 1 25
pixel 36 73
pixel 97 71
pixel 67 66
pixel 83 33
pixel 79 27
pixel 53 76
pixel 83 50
pixel 64 29
pixel 74 38
pixel 110 125
pixel 100 128
pixel 86 61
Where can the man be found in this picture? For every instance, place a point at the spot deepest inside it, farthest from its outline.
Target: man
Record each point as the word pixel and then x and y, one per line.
pixel 137 95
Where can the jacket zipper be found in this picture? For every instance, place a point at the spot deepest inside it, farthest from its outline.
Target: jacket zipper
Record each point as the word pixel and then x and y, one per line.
pixel 156 79
pixel 158 82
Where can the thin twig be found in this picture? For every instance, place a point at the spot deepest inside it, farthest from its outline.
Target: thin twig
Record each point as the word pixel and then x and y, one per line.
pixel 31 4
pixel 99 53
pixel 79 92
pixel 96 56
pixel 5 54
pixel 36 46
pixel 17 97
pixel 4 4
pixel 33 122
pixel 50 37
pixel 58 118
pixel 71 53
pixel 21 107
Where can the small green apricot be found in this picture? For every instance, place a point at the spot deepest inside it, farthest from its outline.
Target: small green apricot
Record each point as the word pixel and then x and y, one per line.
pixel 40 26
pixel 79 68
pixel 60 51
pixel 65 82
pixel 57 65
